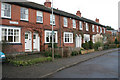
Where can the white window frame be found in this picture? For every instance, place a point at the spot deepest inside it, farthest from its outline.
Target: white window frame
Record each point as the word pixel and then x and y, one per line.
pixel 40 14
pixel 69 33
pixel 97 29
pixel 104 30
pixel 100 29
pixel 65 22
pixel 80 25
pixel 87 29
pixel 93 38
pixel 56 37
pixel 26 14
pixel 74 23
pixel 13 28
pixel 51 19
pixel 2 15
pixel 93 28
pixel 86 35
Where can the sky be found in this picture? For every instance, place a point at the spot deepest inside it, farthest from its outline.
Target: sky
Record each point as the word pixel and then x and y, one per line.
pixel 105 10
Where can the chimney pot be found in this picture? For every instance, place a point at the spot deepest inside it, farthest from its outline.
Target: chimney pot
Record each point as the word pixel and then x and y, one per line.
pixel 97 20
pixel 47 3
pixel 78 13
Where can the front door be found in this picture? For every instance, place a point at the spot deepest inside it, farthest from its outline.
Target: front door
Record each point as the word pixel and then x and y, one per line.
pixel 28 42
pixel 36 42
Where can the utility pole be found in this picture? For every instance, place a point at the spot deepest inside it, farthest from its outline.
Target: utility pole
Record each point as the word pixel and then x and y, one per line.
pixel 52 35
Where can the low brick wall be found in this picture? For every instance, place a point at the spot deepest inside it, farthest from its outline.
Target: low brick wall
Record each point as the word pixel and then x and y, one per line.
pixel 64 52
pixel 87 51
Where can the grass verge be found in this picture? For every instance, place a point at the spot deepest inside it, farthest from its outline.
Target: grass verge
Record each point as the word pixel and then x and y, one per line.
pixel 29 62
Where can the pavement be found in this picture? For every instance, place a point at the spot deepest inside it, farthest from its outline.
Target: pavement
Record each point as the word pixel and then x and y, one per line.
pixel 43 70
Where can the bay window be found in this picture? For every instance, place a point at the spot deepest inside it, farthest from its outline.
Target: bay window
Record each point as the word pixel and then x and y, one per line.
pixel 68 37
pixel 48 36
pixel 5 10
pixel 11 34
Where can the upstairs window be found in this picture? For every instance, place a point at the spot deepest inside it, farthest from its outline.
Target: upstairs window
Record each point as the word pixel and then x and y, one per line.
pixel 5 10
pixel 86 26
pixel 100 30
pixel 104 30
pixel 80 25
pixel 39 17
pixel 97 29
pixel 74 23
pixel 93 28
pixel 53 19
pixel 65 22
pixel 24 14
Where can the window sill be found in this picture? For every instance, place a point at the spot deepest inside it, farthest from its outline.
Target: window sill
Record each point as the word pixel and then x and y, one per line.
pixel 14 43
pixel 49 43
pixel 39 22
pixel 24 20
pixel 5 18
pixel 53 24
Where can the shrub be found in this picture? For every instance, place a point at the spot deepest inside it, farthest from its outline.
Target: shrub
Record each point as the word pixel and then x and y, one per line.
pixel 97 44
pixel 50 45
pixel 116 41
pixel 118 45
pixel 74 53
pixel 90 44
pixel 85 45
pixel 49 54
pixel 112 46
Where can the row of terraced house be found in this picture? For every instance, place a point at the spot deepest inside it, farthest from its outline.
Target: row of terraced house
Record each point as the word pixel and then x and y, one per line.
pixel 27 27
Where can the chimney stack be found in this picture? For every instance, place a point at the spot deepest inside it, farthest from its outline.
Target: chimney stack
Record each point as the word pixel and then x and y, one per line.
pixel 97 20
pixel 78 13
pixel 47 3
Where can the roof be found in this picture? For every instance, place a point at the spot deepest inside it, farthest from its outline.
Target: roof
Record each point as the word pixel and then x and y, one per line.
pixel 56 11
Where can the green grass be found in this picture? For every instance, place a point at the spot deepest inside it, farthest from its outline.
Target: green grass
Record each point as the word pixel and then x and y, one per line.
pixel 29 62
pixel 25 60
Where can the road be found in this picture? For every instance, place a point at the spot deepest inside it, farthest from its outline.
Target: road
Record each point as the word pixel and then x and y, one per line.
pixel 101 67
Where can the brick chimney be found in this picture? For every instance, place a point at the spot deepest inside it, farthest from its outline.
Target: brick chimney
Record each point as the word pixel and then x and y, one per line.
pixel 47 3
pixel 78 13
pixel 97 20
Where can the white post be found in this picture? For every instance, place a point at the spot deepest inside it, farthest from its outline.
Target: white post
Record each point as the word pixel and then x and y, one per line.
pixel 52 35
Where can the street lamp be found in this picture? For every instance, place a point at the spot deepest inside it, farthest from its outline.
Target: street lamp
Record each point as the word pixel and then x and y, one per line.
pixel 52 35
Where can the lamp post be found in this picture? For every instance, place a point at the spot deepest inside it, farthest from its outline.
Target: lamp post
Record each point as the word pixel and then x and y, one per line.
pixel 52 35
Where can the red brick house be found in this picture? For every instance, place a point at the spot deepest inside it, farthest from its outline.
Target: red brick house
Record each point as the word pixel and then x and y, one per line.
pixel 26 26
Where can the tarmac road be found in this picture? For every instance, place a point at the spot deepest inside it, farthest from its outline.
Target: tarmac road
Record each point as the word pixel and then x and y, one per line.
pixel 101 67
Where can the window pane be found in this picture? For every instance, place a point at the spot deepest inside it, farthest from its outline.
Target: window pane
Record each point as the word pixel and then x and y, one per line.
pixel 16 38
pixel 26 36
pixel 10 38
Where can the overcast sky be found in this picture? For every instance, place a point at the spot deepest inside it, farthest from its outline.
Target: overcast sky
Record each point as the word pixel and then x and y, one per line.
pixel 105 10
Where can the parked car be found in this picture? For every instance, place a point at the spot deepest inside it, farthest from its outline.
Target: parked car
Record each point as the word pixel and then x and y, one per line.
pixel 2 57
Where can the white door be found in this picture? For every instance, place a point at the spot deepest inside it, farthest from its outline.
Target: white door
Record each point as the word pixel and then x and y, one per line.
pixel 36 42
pixel 76 41
pixel 28 42
pixel 80 41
